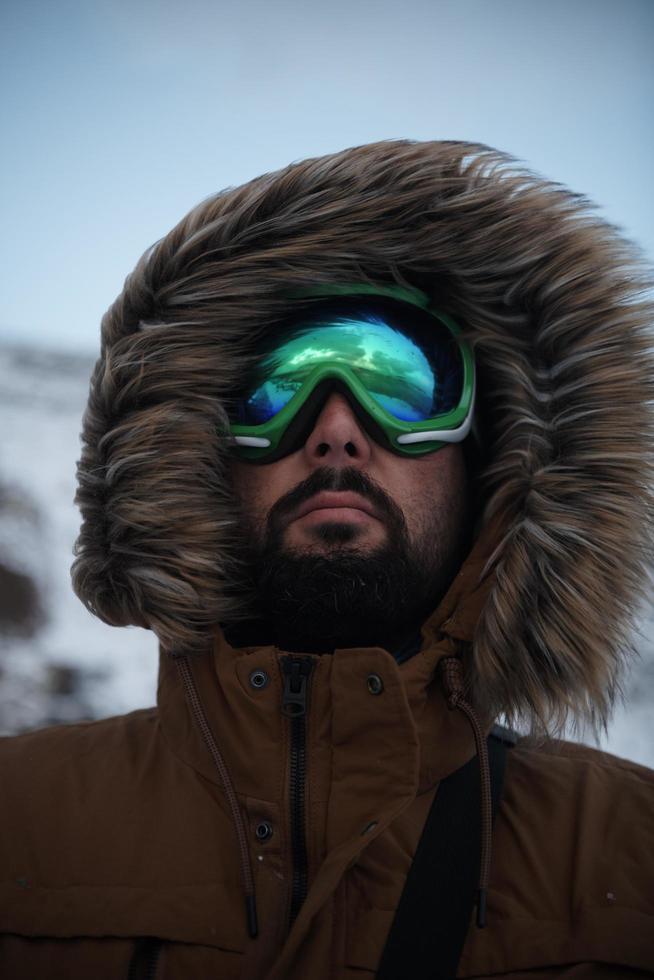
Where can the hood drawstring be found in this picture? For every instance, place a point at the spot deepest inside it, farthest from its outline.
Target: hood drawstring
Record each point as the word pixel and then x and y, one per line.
pixel 247 876
pixel 452 680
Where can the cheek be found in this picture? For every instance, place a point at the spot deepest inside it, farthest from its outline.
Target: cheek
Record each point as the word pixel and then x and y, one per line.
pixel 434 485
pixel 246 485
pixel 256 487
pixel 239 478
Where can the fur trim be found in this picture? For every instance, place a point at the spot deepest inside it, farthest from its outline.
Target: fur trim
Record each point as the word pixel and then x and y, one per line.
pixel 553 301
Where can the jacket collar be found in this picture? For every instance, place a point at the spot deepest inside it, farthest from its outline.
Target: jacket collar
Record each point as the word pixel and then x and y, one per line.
pixel 406 732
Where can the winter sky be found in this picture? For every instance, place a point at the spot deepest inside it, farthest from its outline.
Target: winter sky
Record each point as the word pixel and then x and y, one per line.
pixel 120 115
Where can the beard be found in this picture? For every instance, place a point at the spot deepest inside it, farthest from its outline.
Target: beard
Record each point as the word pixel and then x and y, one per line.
pixel 346 595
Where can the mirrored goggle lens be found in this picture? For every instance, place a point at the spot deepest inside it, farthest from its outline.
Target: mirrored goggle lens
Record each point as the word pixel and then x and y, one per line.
pixel 408 362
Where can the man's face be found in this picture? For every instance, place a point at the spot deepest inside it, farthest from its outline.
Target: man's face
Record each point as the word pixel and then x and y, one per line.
pixel 347 543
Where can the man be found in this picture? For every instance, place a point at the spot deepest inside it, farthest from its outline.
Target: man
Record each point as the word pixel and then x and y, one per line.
pixel 368 446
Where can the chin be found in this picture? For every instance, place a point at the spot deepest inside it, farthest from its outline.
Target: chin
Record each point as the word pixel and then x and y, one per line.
pixel 340 533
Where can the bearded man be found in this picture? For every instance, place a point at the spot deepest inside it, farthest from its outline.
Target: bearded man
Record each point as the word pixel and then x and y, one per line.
pixel 368 447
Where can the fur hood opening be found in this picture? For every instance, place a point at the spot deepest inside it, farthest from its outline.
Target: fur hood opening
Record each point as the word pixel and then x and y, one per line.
pixel 554 302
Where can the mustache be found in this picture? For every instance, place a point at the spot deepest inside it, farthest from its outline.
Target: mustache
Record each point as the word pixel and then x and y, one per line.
pixel 349 479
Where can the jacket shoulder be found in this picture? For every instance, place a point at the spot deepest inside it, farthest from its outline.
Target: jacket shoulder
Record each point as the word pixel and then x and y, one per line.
pixel 94 839
pixel 571 790
pixel 563 768
pixel 58 781
pixel 49 752
pixel 573 858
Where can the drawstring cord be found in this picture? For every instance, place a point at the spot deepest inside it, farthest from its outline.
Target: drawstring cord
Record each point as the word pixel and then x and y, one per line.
pixel 452 680
pixel 247 876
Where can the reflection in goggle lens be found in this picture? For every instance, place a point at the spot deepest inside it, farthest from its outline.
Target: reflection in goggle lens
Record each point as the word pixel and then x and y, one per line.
pixel 414 375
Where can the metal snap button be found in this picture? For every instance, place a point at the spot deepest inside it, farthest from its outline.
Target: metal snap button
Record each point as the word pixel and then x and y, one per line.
pixel 264 830
pixel 375 684
pixel 258 678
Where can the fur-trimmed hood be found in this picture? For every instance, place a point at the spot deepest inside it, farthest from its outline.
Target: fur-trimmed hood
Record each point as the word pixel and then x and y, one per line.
pixel 553 302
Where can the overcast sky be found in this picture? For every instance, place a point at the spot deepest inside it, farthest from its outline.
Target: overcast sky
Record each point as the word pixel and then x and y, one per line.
pixel 119 115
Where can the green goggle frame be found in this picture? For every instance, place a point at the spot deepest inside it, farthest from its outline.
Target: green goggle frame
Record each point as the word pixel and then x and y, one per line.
pixel 287 430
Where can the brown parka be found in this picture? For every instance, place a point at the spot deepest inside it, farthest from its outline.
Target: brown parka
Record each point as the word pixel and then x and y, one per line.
pixel 128 845
pixel 120 830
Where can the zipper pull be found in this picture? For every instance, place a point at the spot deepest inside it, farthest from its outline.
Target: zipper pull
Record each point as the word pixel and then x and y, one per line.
pixel 296 679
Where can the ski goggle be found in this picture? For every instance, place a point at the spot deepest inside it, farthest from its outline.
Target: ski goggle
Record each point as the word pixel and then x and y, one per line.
pixel 404 368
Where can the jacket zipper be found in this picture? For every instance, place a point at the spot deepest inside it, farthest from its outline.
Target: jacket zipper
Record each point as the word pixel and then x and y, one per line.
pixel 297 672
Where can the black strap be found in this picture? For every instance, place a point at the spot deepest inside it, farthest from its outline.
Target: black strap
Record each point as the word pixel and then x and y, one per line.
pixel 434 913
pixel 143 965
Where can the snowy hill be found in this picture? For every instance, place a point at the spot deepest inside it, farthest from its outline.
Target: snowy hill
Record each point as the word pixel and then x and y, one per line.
pixel 57 662
pixel 72 665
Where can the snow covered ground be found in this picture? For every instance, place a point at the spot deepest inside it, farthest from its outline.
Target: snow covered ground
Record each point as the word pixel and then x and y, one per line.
pixel 108 670
pixel 74 666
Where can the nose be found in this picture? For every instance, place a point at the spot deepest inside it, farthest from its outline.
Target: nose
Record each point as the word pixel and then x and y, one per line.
pixel 337 438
